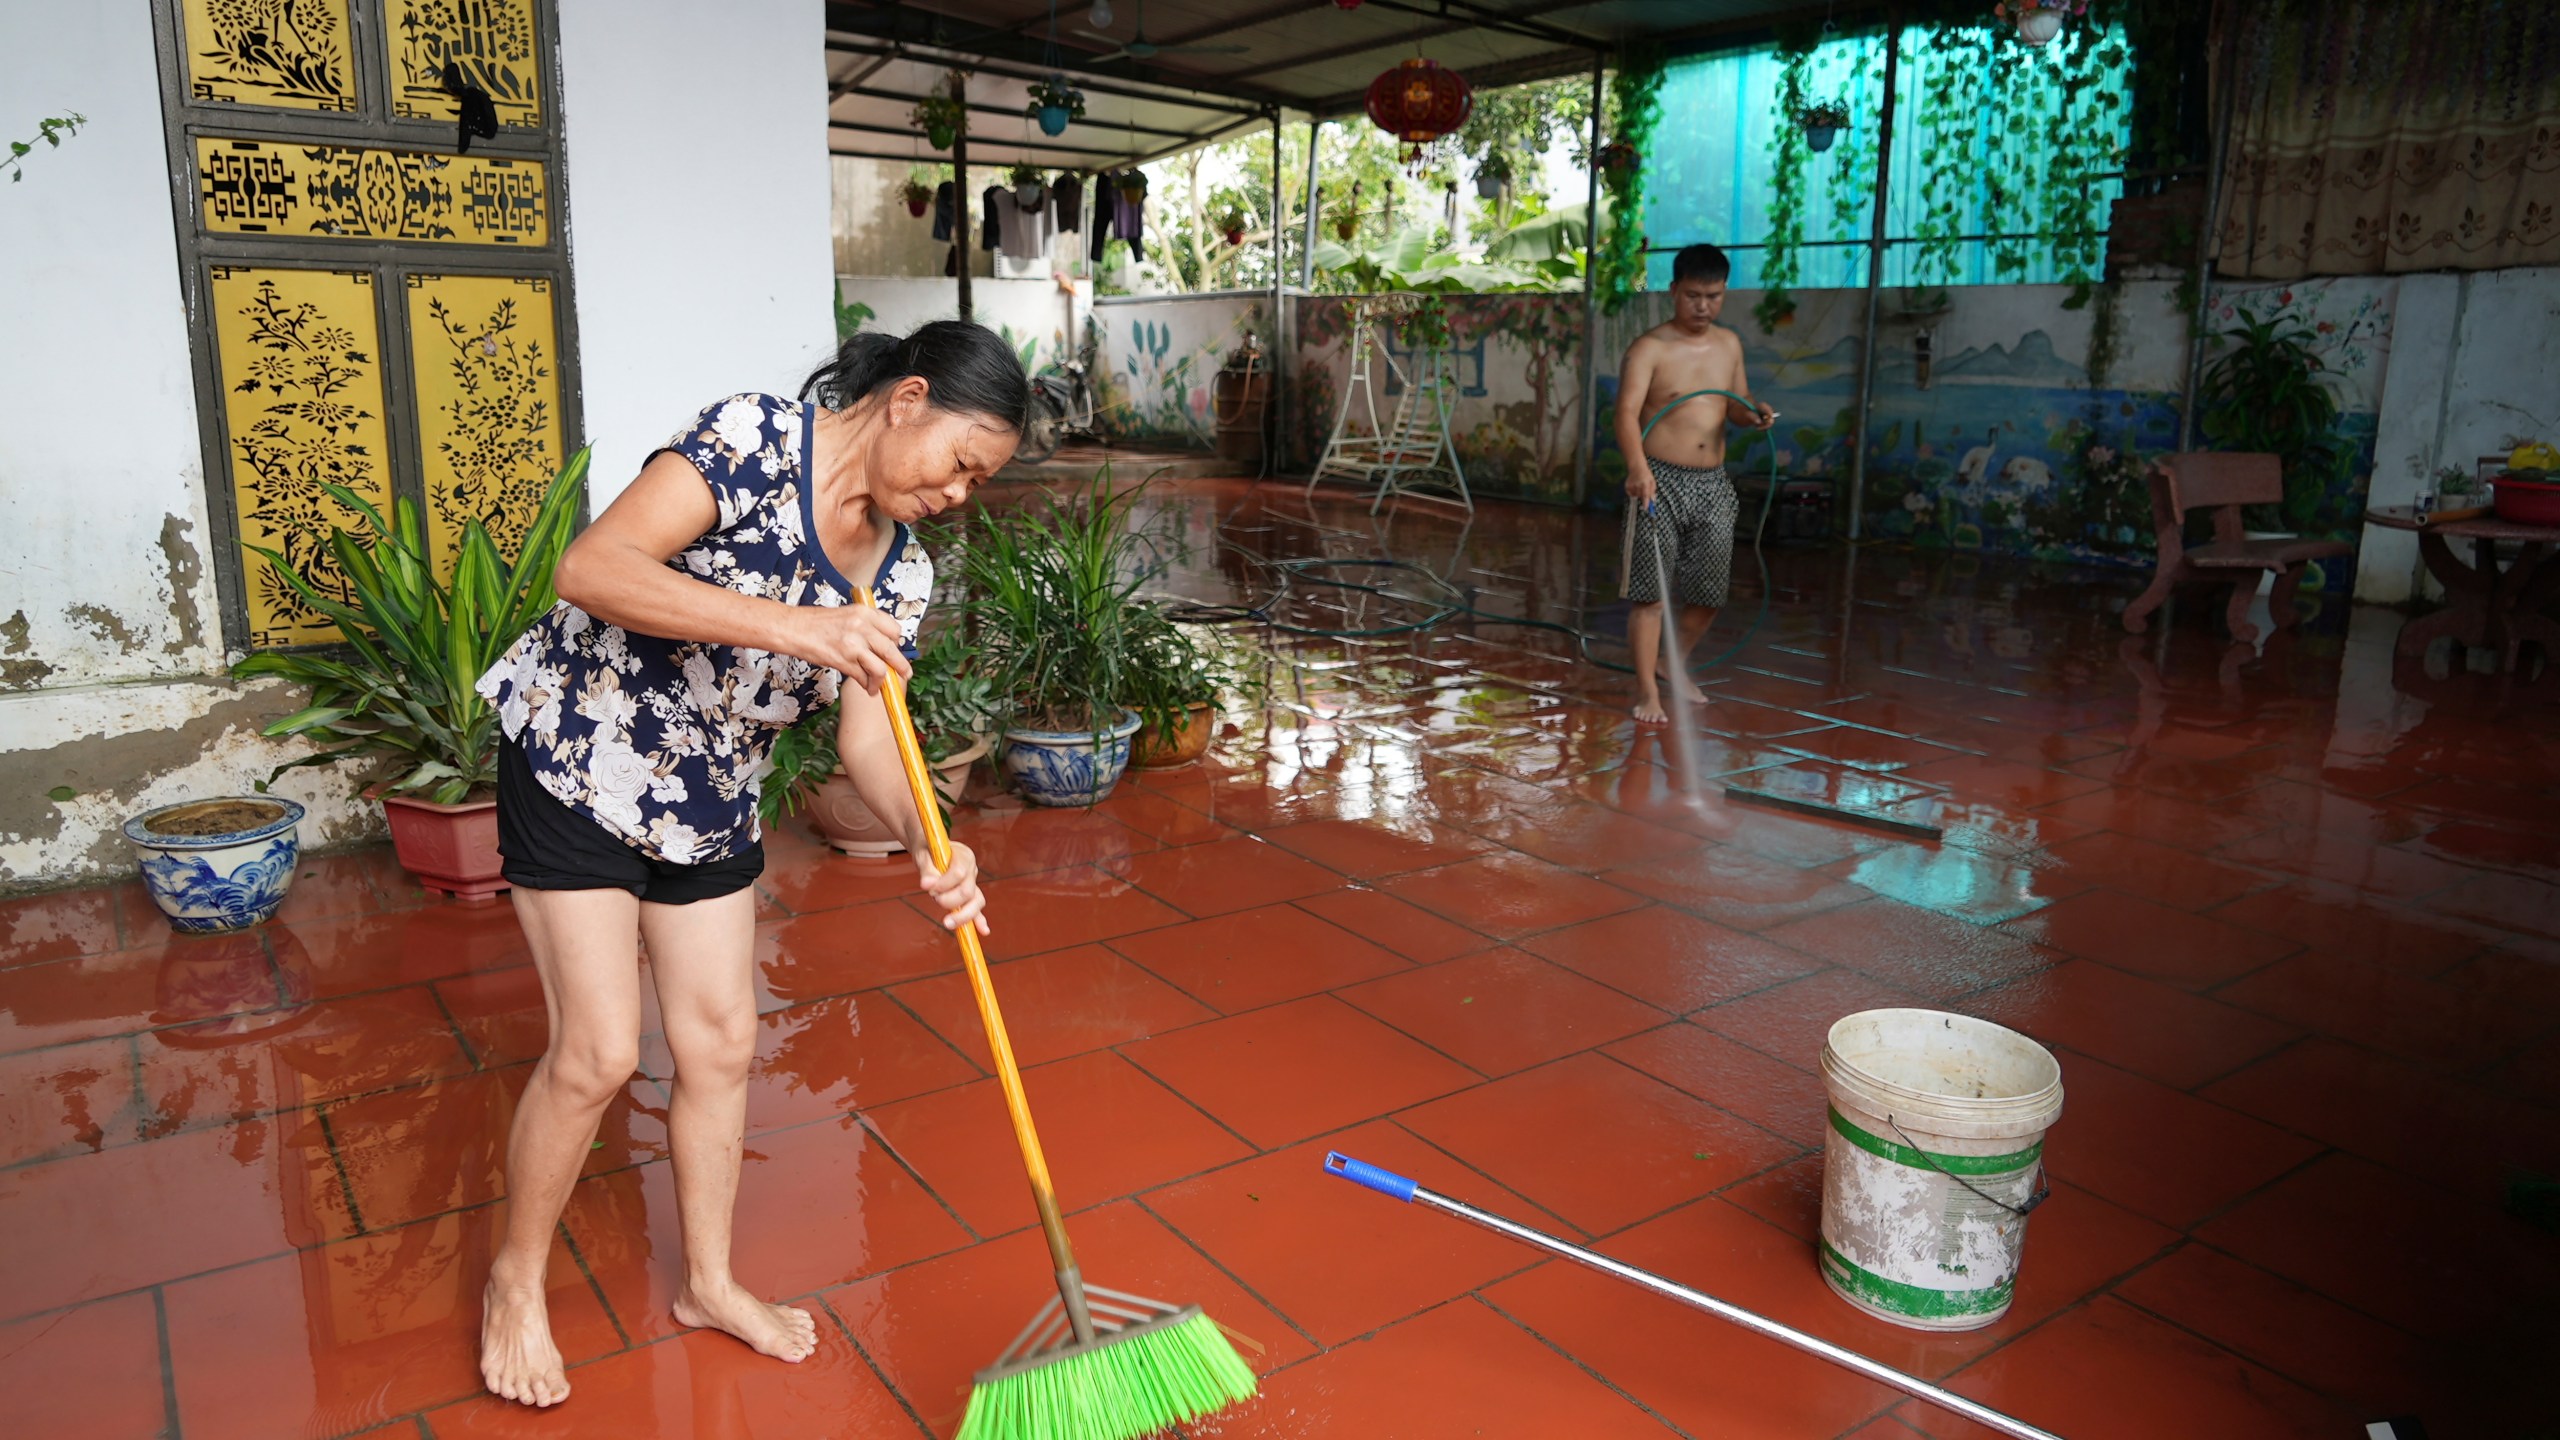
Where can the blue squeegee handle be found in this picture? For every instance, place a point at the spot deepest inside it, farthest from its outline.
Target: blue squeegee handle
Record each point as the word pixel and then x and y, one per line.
pixel 1387 1182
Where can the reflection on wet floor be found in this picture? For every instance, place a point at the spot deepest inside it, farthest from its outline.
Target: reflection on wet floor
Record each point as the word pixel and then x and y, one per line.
pixel 2285 912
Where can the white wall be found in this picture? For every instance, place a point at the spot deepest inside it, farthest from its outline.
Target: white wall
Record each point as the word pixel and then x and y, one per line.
pixel 2475 360
pixel 1034 310
pixel 698 209
pixel 110 622
pixel 106 573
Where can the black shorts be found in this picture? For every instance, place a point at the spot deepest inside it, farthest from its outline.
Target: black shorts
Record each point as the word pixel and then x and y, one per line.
pixel 548 846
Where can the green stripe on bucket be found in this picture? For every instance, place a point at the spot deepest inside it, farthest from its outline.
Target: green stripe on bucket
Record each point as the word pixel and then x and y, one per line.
pixel 1931 1159
pixel 1896 1298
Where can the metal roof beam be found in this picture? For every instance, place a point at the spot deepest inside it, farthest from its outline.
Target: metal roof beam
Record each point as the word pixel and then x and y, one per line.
pixel 975 108
pixel 899 24
pixel 1084 81
pixel 989 141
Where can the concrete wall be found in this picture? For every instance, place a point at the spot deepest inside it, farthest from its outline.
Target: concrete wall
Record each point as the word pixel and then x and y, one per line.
pixel 699 209
pixel 110 628
pixel 1157 357
pixel 698 233
pixel 874 234
pixel 2473 361
pixel 1032 315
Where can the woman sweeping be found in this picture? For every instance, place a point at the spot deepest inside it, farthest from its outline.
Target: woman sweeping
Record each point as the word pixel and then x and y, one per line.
pixel 708 609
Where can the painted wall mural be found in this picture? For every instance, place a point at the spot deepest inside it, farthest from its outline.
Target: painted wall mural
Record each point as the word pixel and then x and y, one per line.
pixel 1157 358
pixel 296 352
pixel 268 187
pixel 291 54
pixel 493 42
pixel 1987 432
pixel 488 398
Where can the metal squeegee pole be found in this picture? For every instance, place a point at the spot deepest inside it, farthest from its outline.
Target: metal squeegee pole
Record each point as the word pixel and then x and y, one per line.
pixel 1877 1371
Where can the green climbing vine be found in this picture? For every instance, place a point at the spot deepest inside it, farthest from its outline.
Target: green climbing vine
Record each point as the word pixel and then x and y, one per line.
pixel 1781 265
pixel 1635 99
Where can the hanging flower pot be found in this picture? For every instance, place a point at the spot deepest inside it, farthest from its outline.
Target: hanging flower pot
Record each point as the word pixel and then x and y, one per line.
pixel 1346 226
pixel 940 114
pixel 938 136
pixel 1029 189
pixel 1054 103
pixel 1419 102
pixel 2038 21
pixel 918 195
pixel 1618 157
pixel 1822 124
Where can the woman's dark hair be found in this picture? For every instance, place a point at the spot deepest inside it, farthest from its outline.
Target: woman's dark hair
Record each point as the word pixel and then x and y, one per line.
pixel 968 369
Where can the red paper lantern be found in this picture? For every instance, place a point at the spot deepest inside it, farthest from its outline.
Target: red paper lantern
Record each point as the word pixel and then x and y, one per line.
pixel 1420 101
pixel 1346 4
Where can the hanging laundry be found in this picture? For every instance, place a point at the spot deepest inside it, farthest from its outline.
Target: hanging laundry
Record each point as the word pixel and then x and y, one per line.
pixel 988 234
pixel 1066 203
pixel 1115 213
pixel 1025 230
pixel 946 210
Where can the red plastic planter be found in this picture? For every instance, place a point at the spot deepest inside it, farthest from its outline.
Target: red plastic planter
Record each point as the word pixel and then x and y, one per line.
pixel 453 848
pixel 2528 502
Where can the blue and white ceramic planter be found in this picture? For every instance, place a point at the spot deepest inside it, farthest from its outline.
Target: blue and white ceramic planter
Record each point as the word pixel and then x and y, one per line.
pixel 208 883
pixel 1061 767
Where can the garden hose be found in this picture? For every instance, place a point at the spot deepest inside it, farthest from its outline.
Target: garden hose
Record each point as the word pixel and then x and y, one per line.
pixel 1453 603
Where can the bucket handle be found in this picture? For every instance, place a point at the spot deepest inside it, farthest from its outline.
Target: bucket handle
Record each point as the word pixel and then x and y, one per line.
pixel 2044 1179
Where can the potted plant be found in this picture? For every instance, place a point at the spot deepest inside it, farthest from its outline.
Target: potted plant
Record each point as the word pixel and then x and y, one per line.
pixel 1174 686
pixel 221 864
pixel 2266 394
pixel 1823 121
pixel 2038 21
pixel 1493 175
pixel 402 691
pixel 1054 103
pixel 955 711
pixel 1053 602
pixel 1231 225
pixel 940 115
pixel 917 194
pixel 1029 189
pixel 1618 156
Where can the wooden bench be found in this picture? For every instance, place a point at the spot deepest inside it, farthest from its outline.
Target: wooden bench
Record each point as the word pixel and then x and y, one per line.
pixel 2200 480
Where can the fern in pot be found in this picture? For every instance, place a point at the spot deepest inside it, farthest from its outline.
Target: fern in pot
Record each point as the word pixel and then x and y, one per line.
pixel 956 713
pixel 400 691
pixel 1174 685
pixel 1052 599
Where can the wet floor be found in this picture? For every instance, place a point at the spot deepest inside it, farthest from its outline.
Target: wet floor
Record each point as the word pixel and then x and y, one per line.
pixel 2287 918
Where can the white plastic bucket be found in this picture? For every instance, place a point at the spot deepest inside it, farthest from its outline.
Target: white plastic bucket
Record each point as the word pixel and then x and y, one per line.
pixel 1931 1162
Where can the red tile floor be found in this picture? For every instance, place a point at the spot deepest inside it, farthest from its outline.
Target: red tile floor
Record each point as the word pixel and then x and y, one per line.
pixel 2287 918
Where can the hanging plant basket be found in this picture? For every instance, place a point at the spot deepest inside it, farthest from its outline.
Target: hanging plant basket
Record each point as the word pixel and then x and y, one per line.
pixel 939 115
pixel 1822 124
pixel 1493 176
pixel 1346 226
pixel 2038 21
pixel 918 195
pixel 1055 103
pixel 1619 158
pixel 1029 189
pixel 1231 225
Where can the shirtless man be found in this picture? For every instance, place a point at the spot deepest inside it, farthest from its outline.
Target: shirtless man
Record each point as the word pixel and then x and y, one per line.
pixel 1677 490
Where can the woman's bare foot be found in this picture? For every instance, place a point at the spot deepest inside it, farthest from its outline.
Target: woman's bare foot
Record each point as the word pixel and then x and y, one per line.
pixel 1649 711
pixel 517 1359
pixel 1689 689
pixel 781 1331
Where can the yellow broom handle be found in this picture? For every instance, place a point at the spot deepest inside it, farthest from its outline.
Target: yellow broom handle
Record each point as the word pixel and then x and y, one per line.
pixel 1009 1075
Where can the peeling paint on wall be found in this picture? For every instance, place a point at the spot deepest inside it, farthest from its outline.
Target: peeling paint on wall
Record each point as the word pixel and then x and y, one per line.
pixel 186 573
pixel 121 749
pixel 104 623
pixel 19 674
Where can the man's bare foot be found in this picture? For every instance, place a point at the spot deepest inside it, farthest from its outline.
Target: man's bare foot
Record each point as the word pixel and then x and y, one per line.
pixel 517 1359
pixel 781 1331
pixel 1649 711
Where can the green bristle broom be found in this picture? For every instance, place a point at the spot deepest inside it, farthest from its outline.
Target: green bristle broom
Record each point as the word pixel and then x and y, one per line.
pixel 1141 1367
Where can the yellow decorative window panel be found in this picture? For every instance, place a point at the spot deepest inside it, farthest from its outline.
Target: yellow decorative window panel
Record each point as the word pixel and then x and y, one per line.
pixel 292 54
pixel 491 43
pixel 296 353
pixel 276 187
pixel 486 351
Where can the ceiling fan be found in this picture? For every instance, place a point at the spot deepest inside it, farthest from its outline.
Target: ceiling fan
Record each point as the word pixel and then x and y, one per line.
pixel 1139 49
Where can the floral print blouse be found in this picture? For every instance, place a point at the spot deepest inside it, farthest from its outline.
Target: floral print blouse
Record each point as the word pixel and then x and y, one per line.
pixel 665 742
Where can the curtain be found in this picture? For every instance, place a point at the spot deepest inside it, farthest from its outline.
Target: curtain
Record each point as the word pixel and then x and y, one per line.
pixel 2380 136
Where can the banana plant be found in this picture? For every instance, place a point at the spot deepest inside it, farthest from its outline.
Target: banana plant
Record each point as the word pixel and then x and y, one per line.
pixel 402 690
